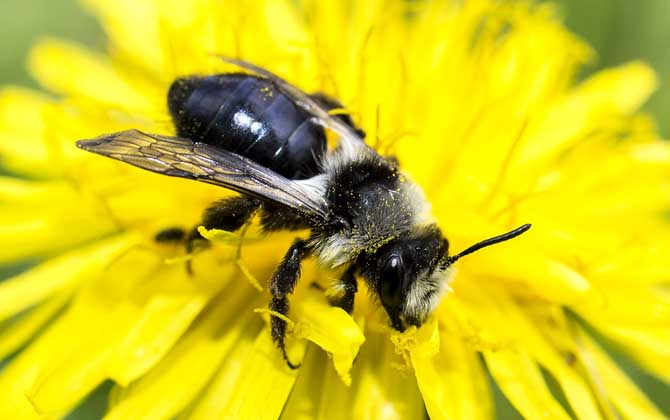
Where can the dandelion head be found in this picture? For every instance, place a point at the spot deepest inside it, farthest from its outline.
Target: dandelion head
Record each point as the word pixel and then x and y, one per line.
pixel 480 103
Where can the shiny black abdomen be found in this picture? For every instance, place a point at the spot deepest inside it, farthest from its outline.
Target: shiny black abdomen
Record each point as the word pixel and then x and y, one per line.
pixel 249 116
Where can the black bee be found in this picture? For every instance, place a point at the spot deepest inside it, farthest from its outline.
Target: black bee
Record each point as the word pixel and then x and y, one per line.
pixel 264 138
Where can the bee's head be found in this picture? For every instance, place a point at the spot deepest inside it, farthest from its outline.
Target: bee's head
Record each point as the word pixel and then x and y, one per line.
pixel 409 274
pixel 408 277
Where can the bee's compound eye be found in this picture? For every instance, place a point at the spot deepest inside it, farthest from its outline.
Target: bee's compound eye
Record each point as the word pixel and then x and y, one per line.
pixel 392 279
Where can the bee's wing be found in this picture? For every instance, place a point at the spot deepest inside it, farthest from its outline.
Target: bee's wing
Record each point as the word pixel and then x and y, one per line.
pixel 183 158
pixel 348 135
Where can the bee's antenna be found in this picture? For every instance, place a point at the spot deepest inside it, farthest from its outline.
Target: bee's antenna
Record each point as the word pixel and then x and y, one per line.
pixel 487 242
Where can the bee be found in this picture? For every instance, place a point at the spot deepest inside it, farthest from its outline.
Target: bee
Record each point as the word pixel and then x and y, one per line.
pixel 254 133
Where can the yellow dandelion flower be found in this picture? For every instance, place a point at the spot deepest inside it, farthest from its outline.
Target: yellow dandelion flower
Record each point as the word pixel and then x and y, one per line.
pixel 477 99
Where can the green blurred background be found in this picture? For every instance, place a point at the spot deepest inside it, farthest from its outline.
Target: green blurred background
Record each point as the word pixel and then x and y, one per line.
pixel 619 30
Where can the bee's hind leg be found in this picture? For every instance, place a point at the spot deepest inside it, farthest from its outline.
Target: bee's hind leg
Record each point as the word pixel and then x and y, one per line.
pixel 282 284
pixel 231 213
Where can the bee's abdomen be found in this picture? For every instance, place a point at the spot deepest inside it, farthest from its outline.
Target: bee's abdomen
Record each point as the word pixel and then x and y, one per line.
pixel 249 116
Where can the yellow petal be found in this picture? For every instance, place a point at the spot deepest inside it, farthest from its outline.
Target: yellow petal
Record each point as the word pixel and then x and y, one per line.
pixel 59 348
pixel 500 320
pixel 192 32
pixel 19 332
pixel 385 386
pixel 214 399
pixel 616 91
pixel 544 277
pixel 133 28
pixel 59 274
pixel 419 342
pixel 23 192
pixel 452 381
pixel 574 387
pixel 620 391
pixel 104 313
pixel 318 394
pixel 34 232
pixel 21 123
pixel 657 153
pixel 648 264
pixel 629 305
pixel 185 371
pixel 521 381
pixel 382 388
pixel 262 381
pixel 19 375
pixel 74 381
pixel 156 396
pixel 90 77
pixel 284 24
pixel 155 331
pixel 305 399
pixel 648 345
pixel 330 328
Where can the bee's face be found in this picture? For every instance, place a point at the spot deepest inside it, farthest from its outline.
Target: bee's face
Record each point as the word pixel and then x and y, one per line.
pixel 408 278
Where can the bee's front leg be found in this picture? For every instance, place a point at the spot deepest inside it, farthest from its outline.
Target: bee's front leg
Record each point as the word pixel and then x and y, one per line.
pixel 282 284
pixel 345 291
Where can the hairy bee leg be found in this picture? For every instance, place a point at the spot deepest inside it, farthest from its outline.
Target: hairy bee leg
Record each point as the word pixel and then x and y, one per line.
pixel 282 284
pixel 229 214
pixel 172 235
pixel 346 288
pixel 276 218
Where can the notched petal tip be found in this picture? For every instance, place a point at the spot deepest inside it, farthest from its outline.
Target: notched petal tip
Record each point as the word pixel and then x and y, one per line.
pixel 332 329
pixel 424 340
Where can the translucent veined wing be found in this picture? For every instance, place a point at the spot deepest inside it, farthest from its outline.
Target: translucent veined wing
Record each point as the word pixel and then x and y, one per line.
pixel 179 157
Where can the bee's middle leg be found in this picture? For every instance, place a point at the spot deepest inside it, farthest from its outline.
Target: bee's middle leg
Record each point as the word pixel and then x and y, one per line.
pixel 229 214
pixel 282 284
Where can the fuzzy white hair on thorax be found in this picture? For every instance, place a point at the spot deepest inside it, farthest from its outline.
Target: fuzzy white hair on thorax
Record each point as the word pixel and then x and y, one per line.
pixel 340 248
pixel 316 185
pixel 421 207
pixel 334 250
pixel 343 155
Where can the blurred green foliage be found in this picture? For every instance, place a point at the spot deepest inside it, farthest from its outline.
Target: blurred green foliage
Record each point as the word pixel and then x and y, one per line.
pixel 619 30
pixel 22 22
pixel 624 30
